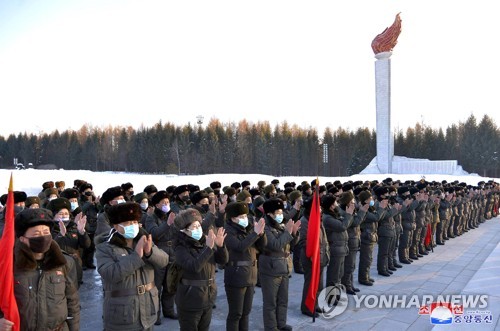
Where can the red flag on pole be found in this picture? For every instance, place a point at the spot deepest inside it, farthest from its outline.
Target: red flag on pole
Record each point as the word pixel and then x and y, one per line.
pixel 8 303
pixel 428 236
pixel 312 249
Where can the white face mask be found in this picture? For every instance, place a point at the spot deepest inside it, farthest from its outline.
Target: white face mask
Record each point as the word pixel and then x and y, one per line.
pixel 243 222
pixel 144 205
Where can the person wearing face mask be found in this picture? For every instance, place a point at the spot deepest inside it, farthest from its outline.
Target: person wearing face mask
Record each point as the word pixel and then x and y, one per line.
pixel 407 221
pixel 72 195
pixel 128 191
pixel 180 199
pixel 111 197
pixel 90 209
pixel 19 205
pixel 275 265
pixel 386 231
pixel 160 224
pixel 337 218
pixel 126 260
pixel 368 240
pixel 45 278
pixel 143 201
pixel 197 255
pixel 32 202
pixel 208 211
pixel 244 239
pixel 68 233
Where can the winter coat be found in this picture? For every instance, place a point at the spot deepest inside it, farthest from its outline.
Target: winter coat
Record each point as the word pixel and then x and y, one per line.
pixel 242 244
pixel 324 247
pixel 275 259
pixel 46 293
pixel 336 226
pixel 386 225
pixel 354 230
pixel 130 297
pixel 73 240
pixel 408 215
pixel 197 261
pixel 163 235
pixel 103 225
pixel 369 226
pixel 420 214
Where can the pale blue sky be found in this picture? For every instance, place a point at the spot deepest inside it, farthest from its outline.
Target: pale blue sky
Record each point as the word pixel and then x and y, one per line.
pixel 104 62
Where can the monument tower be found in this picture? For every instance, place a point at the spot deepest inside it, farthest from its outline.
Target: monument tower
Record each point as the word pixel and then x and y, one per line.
pixel 382 46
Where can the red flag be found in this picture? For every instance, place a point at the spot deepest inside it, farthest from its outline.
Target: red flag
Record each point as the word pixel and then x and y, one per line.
pixel 8 303
pixel 428 236
pixel 312 249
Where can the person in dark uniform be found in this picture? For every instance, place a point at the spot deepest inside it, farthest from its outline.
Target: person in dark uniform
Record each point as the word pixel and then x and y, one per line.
pixel 90 209
pixel 386 232
pixel 324 253
pixel 160 224
pixel 275 265
pixel 244 239
pixel 368 241
pixel 69 234
pixel 45 278
pixel 126 259
pixel 407 221
pixel 197 255
pixel 354 233
pixel 337 219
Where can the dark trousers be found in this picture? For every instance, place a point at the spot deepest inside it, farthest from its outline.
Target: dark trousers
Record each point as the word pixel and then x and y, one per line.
pixel 415 241
pixel 393 250
pixel 166 299
pixel 365 261
pixel 384 248
pixel 275 301
pixel 198 320
pixel 423 234
pixel 349 267
pixel 88 253
pixel 306 264
pixel 239 300
pixel 335 269
pixel 404 244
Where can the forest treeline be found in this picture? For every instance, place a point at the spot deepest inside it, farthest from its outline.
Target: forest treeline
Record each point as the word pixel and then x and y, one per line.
pixel 283 150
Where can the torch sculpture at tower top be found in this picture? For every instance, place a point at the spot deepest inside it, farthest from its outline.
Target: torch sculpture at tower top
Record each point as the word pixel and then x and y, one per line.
pixel 385 41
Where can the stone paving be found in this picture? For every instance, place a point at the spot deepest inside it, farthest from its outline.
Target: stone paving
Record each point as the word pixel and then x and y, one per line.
pixel 468 264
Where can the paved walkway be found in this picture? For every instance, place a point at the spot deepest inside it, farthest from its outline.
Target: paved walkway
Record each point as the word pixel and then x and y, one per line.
pixel 468 264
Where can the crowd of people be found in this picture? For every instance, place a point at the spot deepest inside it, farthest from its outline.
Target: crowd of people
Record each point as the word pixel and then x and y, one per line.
pixel 157 251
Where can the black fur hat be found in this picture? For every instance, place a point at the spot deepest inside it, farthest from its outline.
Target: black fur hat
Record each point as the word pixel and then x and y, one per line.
pixel 234 209
pixel 271 205
pixel 160 195
pixel 198 196
pixel 110 194
pixel 123 212
pixel 32 217
pixel 57 204
pixel 70 193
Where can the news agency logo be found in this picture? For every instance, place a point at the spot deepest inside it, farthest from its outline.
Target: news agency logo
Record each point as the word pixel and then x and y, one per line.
pixel 333 301
pixel 442 309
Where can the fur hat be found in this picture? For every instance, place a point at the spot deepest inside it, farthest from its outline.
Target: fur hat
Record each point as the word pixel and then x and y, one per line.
pixel 413 190
pixel 215 185
pixel 345 198
pixel 327 201
pixel 160 195
pixel 126 186
pixel 193 188
pixel 364 195
pixel 236 185
pixel 234 209
pixel 123 212
pixel 261 183
pixel 269 188
pixel 70 193
pixel 85 186
pixel 180 189
pixel 258 201
pixel 275 181
pixel 52 190
pixel 271 205
pixel 19 196
pixel 110 194
pixel 170 189
pixel 150 189
pixel 294 195
pixel 57 204
pixel 230 191
pixel 403 189
pixel 78 182
pixel 346 186
pixel 32 217
pixel 47 185
pixel 381 190
pixel 306 187
pixel 208 189
pixel 245 183
pixel 32 200
pixel 140 196
pixel 60 183
pixel 186 217
pixel 243 195
pixel 198 196
pixel 254 192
